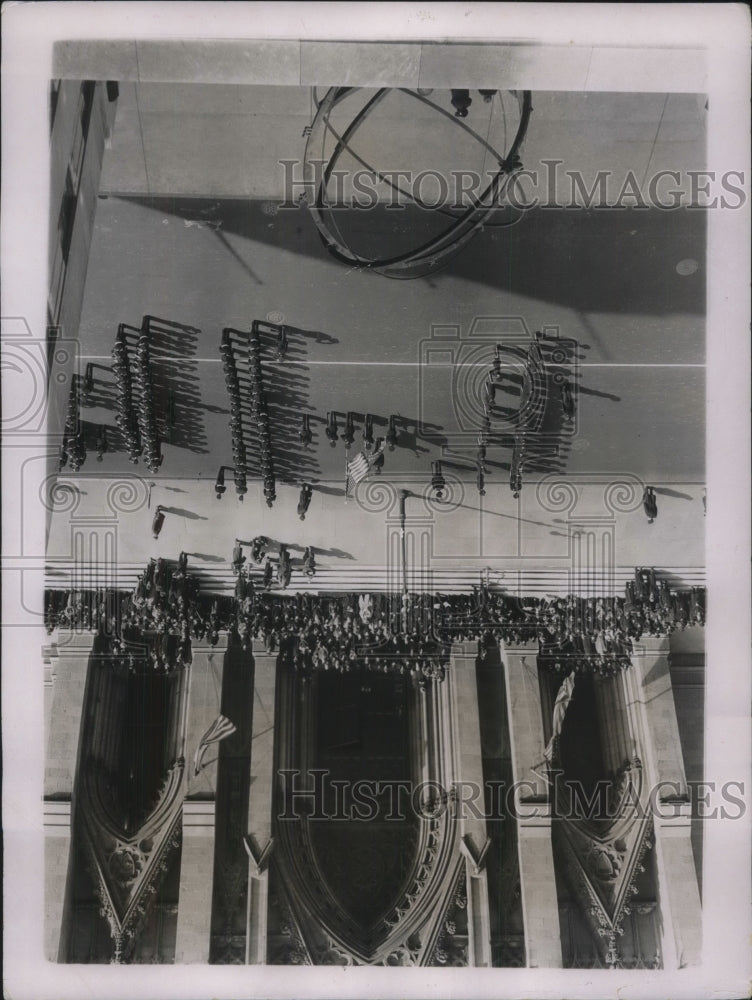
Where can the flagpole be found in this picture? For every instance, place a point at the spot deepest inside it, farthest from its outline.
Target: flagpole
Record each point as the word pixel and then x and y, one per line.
pixel 403 495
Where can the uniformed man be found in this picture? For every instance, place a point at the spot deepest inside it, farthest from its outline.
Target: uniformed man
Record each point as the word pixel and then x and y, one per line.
pixel 156 524
pixel 650 504
pixel 438 483
pixel 101 442
pixel 480 457
pixel 304 433
pixel 284 567
pixel 368 431
pixel 349 433
pixel 282 343
pixel 309 562
pixel 391 433
pixel 306 492
pixel 480 479
pixel 237 558
pixel 331 428
pixel 461 102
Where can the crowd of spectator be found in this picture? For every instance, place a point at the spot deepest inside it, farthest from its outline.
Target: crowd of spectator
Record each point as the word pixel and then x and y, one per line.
pixel 409 634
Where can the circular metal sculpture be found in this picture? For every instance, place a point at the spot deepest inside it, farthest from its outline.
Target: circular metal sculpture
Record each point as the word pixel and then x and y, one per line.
pixel 431 253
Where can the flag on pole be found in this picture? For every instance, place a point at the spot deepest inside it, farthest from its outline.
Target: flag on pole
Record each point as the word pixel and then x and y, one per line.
pixel 561 704
pixel 219 730
pixel 361 465
pixel 357 470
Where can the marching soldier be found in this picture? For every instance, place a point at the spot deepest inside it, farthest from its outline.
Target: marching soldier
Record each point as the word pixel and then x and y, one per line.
pixel 156 524
pixel 480 479
pixel 391 434
pixel 481 453
pixel 368 431
pixel 219 485
pixel 282 343
pixel 650 504
pixel 567 400
pixel 237 558
pixel 438 483
pixel 331 428
pixel 309 562
pixel 284 567
pixel 304 433
pixel 101 442
pixel 306 492
pixel 461 102
pixel 349 435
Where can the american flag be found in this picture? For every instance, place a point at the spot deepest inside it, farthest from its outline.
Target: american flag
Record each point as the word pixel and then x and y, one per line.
pixel 561 705
pixel 219 730
pixel 357 470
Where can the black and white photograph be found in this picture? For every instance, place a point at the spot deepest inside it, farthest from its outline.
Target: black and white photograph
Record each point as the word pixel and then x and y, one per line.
pixel 376 500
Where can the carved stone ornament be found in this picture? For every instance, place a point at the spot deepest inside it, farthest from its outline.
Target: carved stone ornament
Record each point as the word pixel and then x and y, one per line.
pixel 601 862
pixel 406 935
pixel 127 868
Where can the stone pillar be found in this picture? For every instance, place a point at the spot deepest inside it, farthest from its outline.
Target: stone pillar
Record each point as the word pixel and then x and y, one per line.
pixel 259 841
pixel 203 705
pixel 653 714
pixel 540 905
pixel 196 883
pixel 471 799
pixel 68 690
pixel 661 745
pixel 67 675
pixel 57 843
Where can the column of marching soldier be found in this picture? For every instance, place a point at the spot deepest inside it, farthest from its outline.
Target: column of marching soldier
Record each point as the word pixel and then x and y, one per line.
pixel 135 417
pixel 72 448
pixel 73 445
pixel 259 413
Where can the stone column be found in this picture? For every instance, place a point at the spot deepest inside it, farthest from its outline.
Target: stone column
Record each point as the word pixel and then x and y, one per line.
pixel 57 843
pixel 540 905
pixel 196 883
pixel 68 690
pixel 203 705
pixel 471 800
pixel 67 675
pixel 653 715
pixel 259 841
